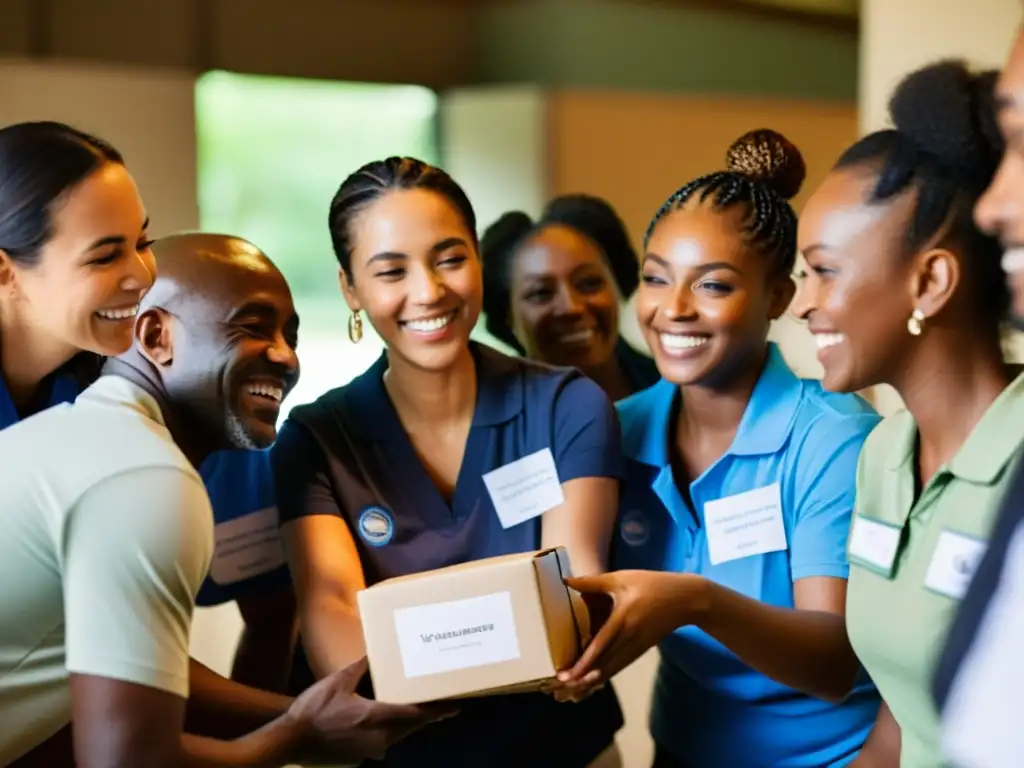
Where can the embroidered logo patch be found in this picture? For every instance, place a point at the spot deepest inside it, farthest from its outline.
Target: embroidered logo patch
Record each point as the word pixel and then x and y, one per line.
pixel 634 528
pixel 376 526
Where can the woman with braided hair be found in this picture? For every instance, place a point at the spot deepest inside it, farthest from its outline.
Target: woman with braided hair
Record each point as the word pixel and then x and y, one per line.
pixel 738 494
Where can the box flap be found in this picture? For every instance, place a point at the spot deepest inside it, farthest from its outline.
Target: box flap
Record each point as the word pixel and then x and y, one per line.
pixel 499 561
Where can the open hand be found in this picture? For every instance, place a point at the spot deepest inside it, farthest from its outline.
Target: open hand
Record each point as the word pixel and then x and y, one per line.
pixel 344 727
pixel 645 607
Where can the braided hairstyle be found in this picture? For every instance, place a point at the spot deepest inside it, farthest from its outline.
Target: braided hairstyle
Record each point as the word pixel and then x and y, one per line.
pixel 372 181
pixel 593 217
pixel 946 145
pixel 763 172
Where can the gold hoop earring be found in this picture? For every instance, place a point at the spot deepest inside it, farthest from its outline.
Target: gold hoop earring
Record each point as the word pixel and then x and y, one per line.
pixel 355 327
pixel 915 325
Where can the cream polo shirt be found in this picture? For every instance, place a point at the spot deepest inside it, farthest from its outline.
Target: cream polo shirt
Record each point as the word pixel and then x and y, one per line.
pixel 106 534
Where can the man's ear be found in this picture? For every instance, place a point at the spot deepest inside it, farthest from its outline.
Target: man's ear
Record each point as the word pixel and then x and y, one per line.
pixel 154 335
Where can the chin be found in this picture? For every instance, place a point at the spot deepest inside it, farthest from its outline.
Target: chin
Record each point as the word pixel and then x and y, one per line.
pixel 840 383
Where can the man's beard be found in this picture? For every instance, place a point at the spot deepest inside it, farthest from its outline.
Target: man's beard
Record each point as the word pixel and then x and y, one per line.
pixel 237 434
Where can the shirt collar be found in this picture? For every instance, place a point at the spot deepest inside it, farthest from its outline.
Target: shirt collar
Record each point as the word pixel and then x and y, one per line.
pixel 112 389
pixel 768 419
pixel 499 399
pixel 764 429
pixel 991 445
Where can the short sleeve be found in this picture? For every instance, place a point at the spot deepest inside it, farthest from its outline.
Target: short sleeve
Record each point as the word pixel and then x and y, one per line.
pixel 134 551
pixel 302 485
pixel 826 480
pixel 587 438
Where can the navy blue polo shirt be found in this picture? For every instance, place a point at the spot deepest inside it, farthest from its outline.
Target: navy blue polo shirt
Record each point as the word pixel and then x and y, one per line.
pixel 64 388
pixel 794 457
pixel 248 558
pixel 347 454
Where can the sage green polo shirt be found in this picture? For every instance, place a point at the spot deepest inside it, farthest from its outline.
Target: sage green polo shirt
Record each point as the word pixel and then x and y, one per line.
pixel 911 560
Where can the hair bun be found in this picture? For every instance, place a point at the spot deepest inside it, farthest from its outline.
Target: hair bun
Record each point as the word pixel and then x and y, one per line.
pixel 768 158
pixel 948 113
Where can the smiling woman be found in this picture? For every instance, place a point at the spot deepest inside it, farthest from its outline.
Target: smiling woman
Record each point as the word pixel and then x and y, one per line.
pixel 75 261
pixel 385 476
pixel 738 493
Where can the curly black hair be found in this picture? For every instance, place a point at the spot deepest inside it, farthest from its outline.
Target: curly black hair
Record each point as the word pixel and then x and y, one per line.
pixel 945 143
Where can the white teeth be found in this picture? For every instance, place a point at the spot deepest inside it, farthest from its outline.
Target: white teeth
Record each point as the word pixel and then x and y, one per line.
pixel 266 390
pixel 826 340
pixel 428 326
pixel 1013 260
pixel 676 341
pixel 118 314
pixel 578 337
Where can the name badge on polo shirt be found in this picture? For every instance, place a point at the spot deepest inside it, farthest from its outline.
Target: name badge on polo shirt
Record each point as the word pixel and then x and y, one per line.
pixel 247 546
pixel 873 544
pixel 745 525
pixel 954 561
pixel 525 488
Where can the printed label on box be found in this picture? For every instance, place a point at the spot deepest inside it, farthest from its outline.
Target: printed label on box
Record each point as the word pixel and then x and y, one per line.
pixel 459 634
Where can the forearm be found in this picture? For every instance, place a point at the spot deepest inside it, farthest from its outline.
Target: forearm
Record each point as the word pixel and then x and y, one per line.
pixel 803 649
pixel 222 708
pixel 275 744
pixel 264 657
pixel 882 748
pixel 333 637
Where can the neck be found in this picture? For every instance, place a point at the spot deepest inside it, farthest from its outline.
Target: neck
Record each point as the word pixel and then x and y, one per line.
pixel 711 409
pixel 27 357
pixel 432 397
pixel 949 383
pixel 193 443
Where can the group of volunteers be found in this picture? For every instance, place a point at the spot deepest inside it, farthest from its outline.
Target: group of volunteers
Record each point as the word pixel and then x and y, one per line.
pixel 798 560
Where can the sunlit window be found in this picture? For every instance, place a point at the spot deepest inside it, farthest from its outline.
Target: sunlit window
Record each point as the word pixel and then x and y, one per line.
pixel 272 152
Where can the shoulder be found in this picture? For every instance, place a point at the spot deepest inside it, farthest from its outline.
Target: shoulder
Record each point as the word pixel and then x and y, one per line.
pixel 644 416
pixel 826 419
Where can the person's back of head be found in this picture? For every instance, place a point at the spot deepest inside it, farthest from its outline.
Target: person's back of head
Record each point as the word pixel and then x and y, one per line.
pixel 219 331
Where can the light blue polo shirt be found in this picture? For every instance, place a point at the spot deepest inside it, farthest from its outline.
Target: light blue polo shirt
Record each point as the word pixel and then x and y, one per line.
pixel 796 448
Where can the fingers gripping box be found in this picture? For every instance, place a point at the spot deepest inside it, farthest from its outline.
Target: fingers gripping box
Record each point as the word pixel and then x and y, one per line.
pixel 501 625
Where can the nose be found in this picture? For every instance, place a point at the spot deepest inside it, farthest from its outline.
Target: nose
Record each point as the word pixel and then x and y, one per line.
pixel 569 301
pixel 679 305
pixel 806 299
pixel 428 288
pixel 141 272
pixel 995 208
pixel 281 352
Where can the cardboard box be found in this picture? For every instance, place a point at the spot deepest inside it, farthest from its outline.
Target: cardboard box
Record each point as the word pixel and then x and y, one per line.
pixel 501 625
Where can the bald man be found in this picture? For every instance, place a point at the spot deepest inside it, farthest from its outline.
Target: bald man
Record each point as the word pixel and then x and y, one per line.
pixel 107 535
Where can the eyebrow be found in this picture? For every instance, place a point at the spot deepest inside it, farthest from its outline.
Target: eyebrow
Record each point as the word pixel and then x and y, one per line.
pixel 439 247
pixel 115 239
pixel 710 266
pixel 812 248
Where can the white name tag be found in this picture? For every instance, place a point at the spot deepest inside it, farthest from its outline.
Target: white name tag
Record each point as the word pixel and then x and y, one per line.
pixel 874 543
pixel 459 634
pixel 953 564
pixel 744 525
pixel 246 546
pixel 525 488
